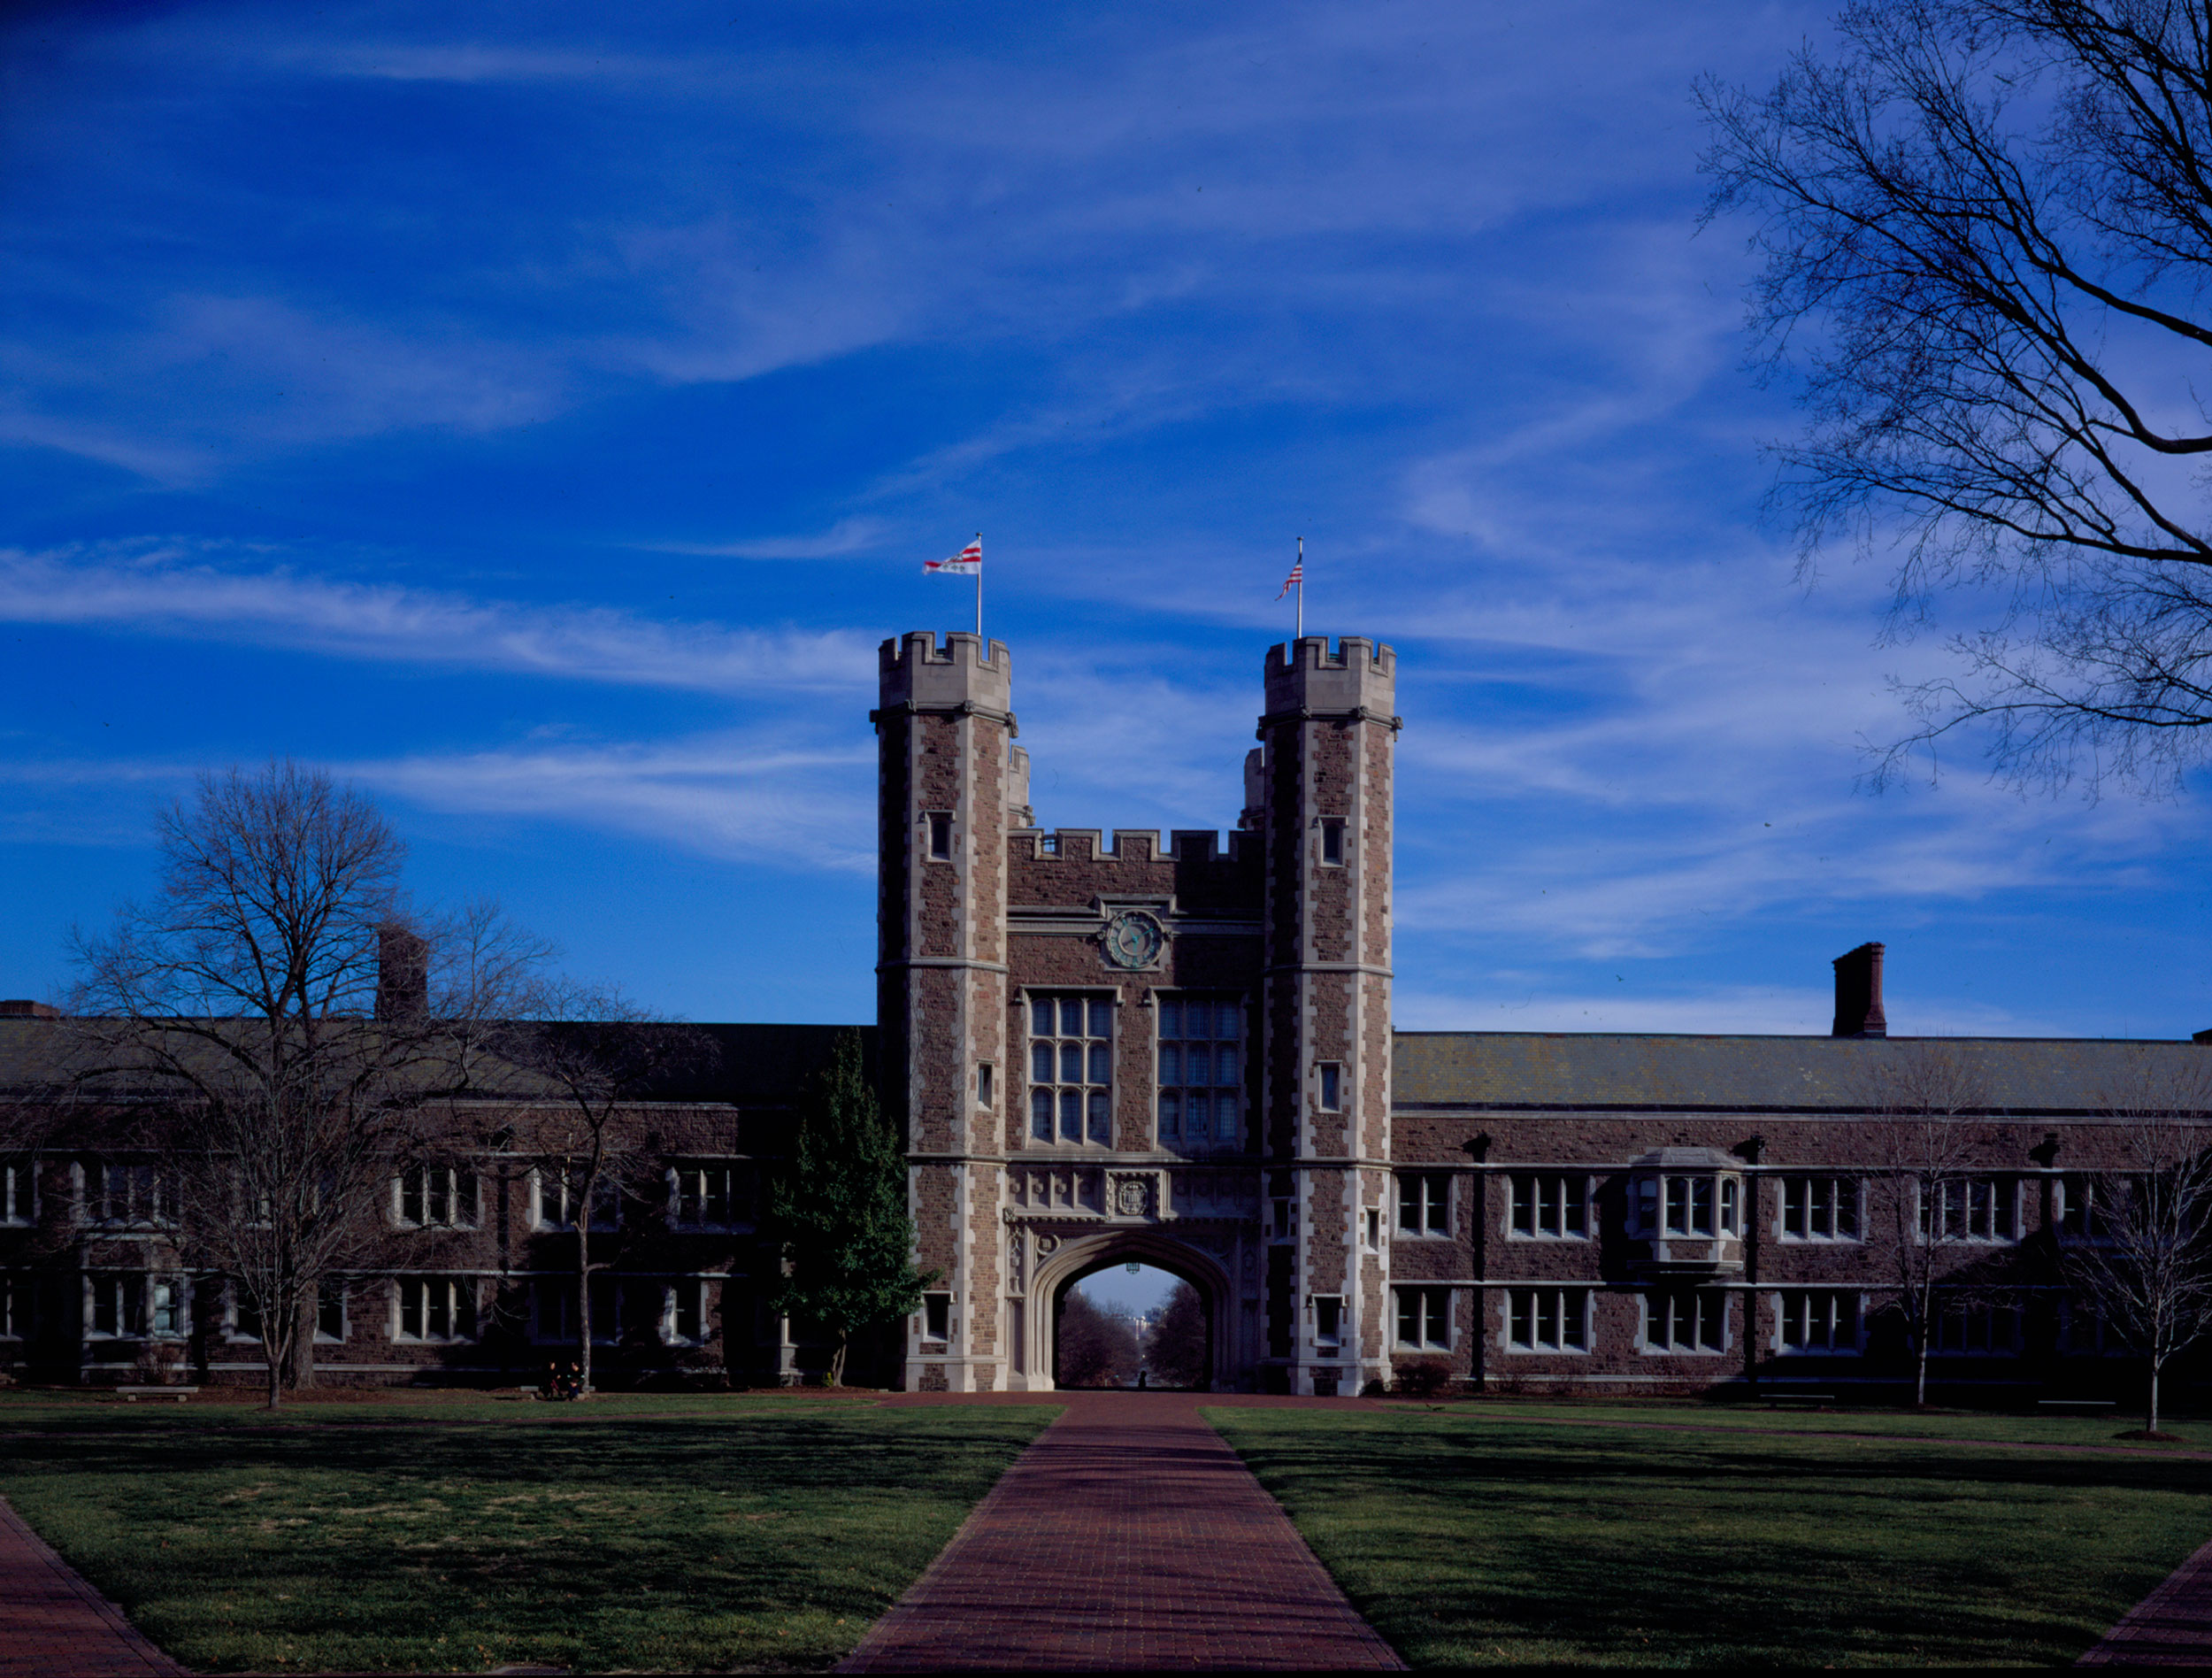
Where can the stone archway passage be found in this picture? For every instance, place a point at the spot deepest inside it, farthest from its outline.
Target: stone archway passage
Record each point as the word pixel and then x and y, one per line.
pixel 1128 1537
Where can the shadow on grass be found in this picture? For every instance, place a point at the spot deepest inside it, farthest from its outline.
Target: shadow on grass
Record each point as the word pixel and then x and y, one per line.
pixel 1468 1542
pixel 754 1539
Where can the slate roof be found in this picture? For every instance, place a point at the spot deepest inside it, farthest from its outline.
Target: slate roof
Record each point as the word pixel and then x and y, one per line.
pixel 754 1066
pixel 1645 1073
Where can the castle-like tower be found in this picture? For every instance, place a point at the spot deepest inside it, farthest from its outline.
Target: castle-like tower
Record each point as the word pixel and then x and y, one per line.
pixel 1324 770
pixel 1106 1053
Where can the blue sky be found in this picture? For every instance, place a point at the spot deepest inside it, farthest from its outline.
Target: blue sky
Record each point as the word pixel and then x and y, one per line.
pixel 538 415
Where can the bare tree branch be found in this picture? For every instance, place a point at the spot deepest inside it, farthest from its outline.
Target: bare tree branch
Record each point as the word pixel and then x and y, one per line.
pixel 1986 235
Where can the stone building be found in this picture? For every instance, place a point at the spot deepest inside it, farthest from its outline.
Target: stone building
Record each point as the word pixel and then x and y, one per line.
pixel 1116 1049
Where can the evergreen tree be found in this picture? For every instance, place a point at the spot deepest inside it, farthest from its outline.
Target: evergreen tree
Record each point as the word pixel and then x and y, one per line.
pixel 838 1211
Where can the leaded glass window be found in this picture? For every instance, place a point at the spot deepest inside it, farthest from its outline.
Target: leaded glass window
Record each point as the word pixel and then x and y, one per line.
pixel 1071 1069
pixel 1201 1072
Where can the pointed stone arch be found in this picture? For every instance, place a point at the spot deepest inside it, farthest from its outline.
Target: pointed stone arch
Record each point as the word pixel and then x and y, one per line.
pixel 1084 1255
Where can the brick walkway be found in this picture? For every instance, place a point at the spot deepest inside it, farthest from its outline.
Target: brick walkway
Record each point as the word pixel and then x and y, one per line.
pixel 2172 1626
pixel 1128 1537
pixel 54 1624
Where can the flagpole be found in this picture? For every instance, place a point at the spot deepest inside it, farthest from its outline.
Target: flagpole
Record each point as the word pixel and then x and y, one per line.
pixel 1302 589
pixel 979 599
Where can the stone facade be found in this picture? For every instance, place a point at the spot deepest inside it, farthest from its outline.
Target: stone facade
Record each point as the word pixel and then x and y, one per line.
pixel 1112 1049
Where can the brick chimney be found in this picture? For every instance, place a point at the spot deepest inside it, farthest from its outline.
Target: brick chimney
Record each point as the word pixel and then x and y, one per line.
pixel 403 972
pixel 1859 994
pixel 24 1009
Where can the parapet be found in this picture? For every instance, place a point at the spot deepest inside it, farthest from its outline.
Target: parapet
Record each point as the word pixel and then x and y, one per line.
pixel 1359 678
pixel 915 673
pixel 1130 844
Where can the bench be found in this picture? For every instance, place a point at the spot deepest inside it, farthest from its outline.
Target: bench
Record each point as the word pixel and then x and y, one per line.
pixel 175 1394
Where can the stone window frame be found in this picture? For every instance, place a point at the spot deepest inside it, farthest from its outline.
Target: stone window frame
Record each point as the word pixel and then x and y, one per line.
pixel 676 1292
pixel 1431 1213
pixel 461 1193
pixel 1696 1345
pixel 1575 1210
pixel 236 1312
pixel 736 1194
pixel 1327 1308
pixel 1572 1311
pixel 1435 1301
pixel 128 1300
pixel 2105 1340
pixel 18 1192
pixel 1807 1303
pixel 934 1327
pixel 19 1305
pixel 463 1297
pixel 1333 850
pixel 1990 1316
pixel 1806 1183
pixel 2078 1202
pixel 1331 1091
pixel 2004 1195
pixel 1238 1006
pixel 147 1199
pixel 606 1214
pixel 1654 1211
pixel 938 843
pixel 1091 997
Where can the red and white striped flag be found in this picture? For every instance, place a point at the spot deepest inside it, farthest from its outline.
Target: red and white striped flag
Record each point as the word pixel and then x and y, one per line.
pixel 1296 579
pixel 967 563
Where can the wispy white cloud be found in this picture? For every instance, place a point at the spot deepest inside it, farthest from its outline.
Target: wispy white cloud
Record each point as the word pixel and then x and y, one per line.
pixel 721 796
pixel 846 537
pixel 171 589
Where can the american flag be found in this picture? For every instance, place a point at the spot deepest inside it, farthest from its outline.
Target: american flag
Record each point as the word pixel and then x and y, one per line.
pixel 967 563
pixel 1296 579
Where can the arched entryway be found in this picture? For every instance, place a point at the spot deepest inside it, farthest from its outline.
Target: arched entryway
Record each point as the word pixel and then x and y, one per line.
pixel 1077 1258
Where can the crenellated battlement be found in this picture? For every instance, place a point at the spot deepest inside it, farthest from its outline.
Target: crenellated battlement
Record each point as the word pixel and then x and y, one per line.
pixel 1135 846
pixel 915 673
pixel 1359 678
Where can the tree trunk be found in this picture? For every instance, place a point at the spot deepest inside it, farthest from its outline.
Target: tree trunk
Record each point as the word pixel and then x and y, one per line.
pixel 273 1352
pixel 837 1358
pixel 2151 1425
pixel 583 1294
pixel 1920 1384
pixel 303 1358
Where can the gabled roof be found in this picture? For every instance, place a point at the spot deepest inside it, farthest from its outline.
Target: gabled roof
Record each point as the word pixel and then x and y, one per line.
pixel 1637 1072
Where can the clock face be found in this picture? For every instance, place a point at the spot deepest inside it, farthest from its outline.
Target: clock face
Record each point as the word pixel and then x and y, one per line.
pixel 1133 939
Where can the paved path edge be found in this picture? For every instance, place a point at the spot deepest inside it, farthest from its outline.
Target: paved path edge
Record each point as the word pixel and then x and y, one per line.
pixel 116 1645
pixel 2172 1626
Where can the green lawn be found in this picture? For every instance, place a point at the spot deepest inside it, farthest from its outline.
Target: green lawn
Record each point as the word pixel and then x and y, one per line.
pixel 1479 1534
pixel 636 1533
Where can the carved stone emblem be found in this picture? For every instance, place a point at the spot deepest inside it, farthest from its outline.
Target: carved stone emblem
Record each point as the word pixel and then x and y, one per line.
pixel 1133 939
pixel 1047 1244
pixel 1133 1196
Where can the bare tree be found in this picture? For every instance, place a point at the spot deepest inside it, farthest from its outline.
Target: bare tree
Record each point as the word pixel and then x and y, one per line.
pixel 1987 228
pixel 1098 1343
pixel 2137 1248
pixel 1926 1194
pixel 240 1002
pixel 584 1063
